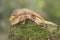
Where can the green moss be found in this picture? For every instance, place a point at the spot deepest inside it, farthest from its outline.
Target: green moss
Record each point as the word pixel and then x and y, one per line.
pixel 28 31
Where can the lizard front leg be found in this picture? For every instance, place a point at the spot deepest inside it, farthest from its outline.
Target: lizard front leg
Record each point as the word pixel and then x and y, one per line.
pixel 24 22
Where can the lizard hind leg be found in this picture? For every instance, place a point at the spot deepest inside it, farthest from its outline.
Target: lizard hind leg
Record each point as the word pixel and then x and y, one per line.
pixel 44 25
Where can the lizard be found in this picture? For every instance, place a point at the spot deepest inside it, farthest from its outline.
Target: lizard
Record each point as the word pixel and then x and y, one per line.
pixel 20 15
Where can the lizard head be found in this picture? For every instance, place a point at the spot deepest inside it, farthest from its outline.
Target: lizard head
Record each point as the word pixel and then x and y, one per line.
pixel 14 18
pixel 17 16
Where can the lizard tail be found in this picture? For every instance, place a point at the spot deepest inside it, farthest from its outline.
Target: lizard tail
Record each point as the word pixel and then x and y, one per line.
pixel 51 23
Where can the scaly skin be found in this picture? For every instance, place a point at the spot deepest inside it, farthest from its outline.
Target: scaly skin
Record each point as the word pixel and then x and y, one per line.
pixel 20 15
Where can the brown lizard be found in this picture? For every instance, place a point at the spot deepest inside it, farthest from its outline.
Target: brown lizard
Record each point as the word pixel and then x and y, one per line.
pixel 20 15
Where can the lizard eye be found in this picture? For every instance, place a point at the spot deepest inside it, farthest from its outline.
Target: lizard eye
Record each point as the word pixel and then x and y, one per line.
pixel 14 14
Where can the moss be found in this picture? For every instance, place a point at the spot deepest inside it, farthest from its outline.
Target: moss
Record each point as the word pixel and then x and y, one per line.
pixel 28 31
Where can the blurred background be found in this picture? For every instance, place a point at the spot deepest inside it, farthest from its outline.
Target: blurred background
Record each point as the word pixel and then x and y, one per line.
pixel 48 9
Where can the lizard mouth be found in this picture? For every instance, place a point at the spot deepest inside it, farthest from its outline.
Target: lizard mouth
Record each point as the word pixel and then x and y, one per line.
pixel 14 21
